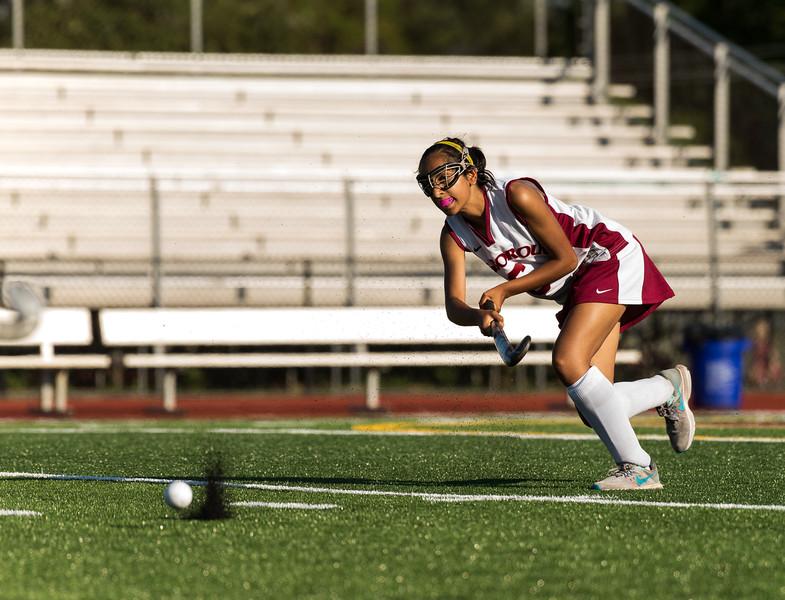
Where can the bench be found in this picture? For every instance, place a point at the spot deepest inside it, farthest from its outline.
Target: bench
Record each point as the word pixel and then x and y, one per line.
pixel 56 327
pixel 427 330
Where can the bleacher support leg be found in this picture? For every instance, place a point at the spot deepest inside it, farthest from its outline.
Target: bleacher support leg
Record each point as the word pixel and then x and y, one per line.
pixel 170 390
pixel 372 390
pixel 61 392
pixel 47 392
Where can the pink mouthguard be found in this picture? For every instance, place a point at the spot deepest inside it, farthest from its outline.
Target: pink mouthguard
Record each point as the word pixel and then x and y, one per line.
pixel 445 202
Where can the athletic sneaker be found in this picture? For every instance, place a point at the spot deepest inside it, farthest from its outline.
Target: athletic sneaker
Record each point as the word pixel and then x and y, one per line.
pixel 628 476
pixel 679 420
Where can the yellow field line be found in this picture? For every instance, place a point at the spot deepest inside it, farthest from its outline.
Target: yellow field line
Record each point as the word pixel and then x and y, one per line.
pixel 413 427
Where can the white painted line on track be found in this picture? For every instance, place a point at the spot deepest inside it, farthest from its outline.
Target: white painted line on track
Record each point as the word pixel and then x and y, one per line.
pixel 428 496
pixel 573 437
pixel 19 513
pixel 296 505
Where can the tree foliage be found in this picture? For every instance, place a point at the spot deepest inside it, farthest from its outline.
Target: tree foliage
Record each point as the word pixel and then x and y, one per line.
pixel 757 26
pixel 129 25
pixel 482 27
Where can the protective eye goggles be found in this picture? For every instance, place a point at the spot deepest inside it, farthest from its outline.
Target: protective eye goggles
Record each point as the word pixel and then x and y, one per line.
pixel 442 177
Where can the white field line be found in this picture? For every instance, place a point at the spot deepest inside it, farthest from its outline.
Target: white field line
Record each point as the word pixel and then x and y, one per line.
pixel 427 496
pixel 574 437
pixel 19 513
pixel 611 501
pixel 295 505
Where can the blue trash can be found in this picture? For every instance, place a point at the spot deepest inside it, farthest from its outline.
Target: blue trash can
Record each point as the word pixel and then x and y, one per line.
pixel 717 372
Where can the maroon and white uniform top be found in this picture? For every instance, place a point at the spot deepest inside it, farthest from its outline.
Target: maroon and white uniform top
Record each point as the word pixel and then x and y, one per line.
pixel 508 247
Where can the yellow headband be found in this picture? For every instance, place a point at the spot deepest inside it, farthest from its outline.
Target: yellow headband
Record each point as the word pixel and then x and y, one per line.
pixel 459 148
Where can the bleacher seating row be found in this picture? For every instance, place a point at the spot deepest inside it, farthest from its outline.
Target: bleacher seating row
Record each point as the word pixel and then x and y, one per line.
pixel 108 115
pixel 248 160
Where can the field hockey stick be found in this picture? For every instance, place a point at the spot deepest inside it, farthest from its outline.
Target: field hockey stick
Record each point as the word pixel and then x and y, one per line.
pixel 25 305
pixel 511 355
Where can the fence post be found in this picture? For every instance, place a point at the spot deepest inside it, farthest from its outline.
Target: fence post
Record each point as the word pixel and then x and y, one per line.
pixel 155 244
pixel 197 31
pixel 350 269
pixel 307 282
pixel 18 23
pixel 661 74
pixel 714 259
pixel 721 107
pixel 602 49
pixel 155 269
pixel 541 28
pixel 371 27
pixel 781 126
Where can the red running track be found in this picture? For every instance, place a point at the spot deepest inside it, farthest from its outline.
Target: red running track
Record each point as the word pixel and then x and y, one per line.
pixel 231 406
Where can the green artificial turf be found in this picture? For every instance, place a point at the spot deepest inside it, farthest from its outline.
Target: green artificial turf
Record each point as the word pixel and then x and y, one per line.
pixel 98 539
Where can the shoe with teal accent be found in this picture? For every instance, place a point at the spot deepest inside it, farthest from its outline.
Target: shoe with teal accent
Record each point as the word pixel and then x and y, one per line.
pixel 628 476
pixel 679 420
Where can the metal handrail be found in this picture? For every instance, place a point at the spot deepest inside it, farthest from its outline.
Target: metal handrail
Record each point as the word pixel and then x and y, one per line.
pixel 728 58
pixel 706 39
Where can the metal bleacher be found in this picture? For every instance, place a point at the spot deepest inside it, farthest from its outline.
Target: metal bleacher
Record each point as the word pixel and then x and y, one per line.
pixel 286 180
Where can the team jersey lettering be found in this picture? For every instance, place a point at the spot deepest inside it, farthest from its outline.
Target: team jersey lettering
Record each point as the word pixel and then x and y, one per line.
pixel 505 257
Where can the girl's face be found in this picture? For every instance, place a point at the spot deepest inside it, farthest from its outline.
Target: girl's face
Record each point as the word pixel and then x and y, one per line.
pixel 451 185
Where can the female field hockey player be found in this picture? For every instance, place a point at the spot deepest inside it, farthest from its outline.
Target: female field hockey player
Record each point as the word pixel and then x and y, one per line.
pixel 591 265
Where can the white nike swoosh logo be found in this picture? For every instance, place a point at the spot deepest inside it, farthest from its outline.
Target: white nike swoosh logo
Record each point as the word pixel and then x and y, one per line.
pixel 603 291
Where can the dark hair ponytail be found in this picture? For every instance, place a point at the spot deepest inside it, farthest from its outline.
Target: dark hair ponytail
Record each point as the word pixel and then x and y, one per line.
pixel 485 178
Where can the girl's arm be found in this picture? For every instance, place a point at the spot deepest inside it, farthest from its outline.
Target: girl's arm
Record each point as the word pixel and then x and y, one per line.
pixel 458 311
pixel 531 206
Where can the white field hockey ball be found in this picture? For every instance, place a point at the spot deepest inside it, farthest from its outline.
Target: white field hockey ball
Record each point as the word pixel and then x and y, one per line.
pixel 178 494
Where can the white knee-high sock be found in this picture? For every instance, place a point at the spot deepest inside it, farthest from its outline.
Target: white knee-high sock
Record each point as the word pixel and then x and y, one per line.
pixel 606 411
pixel 644 394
